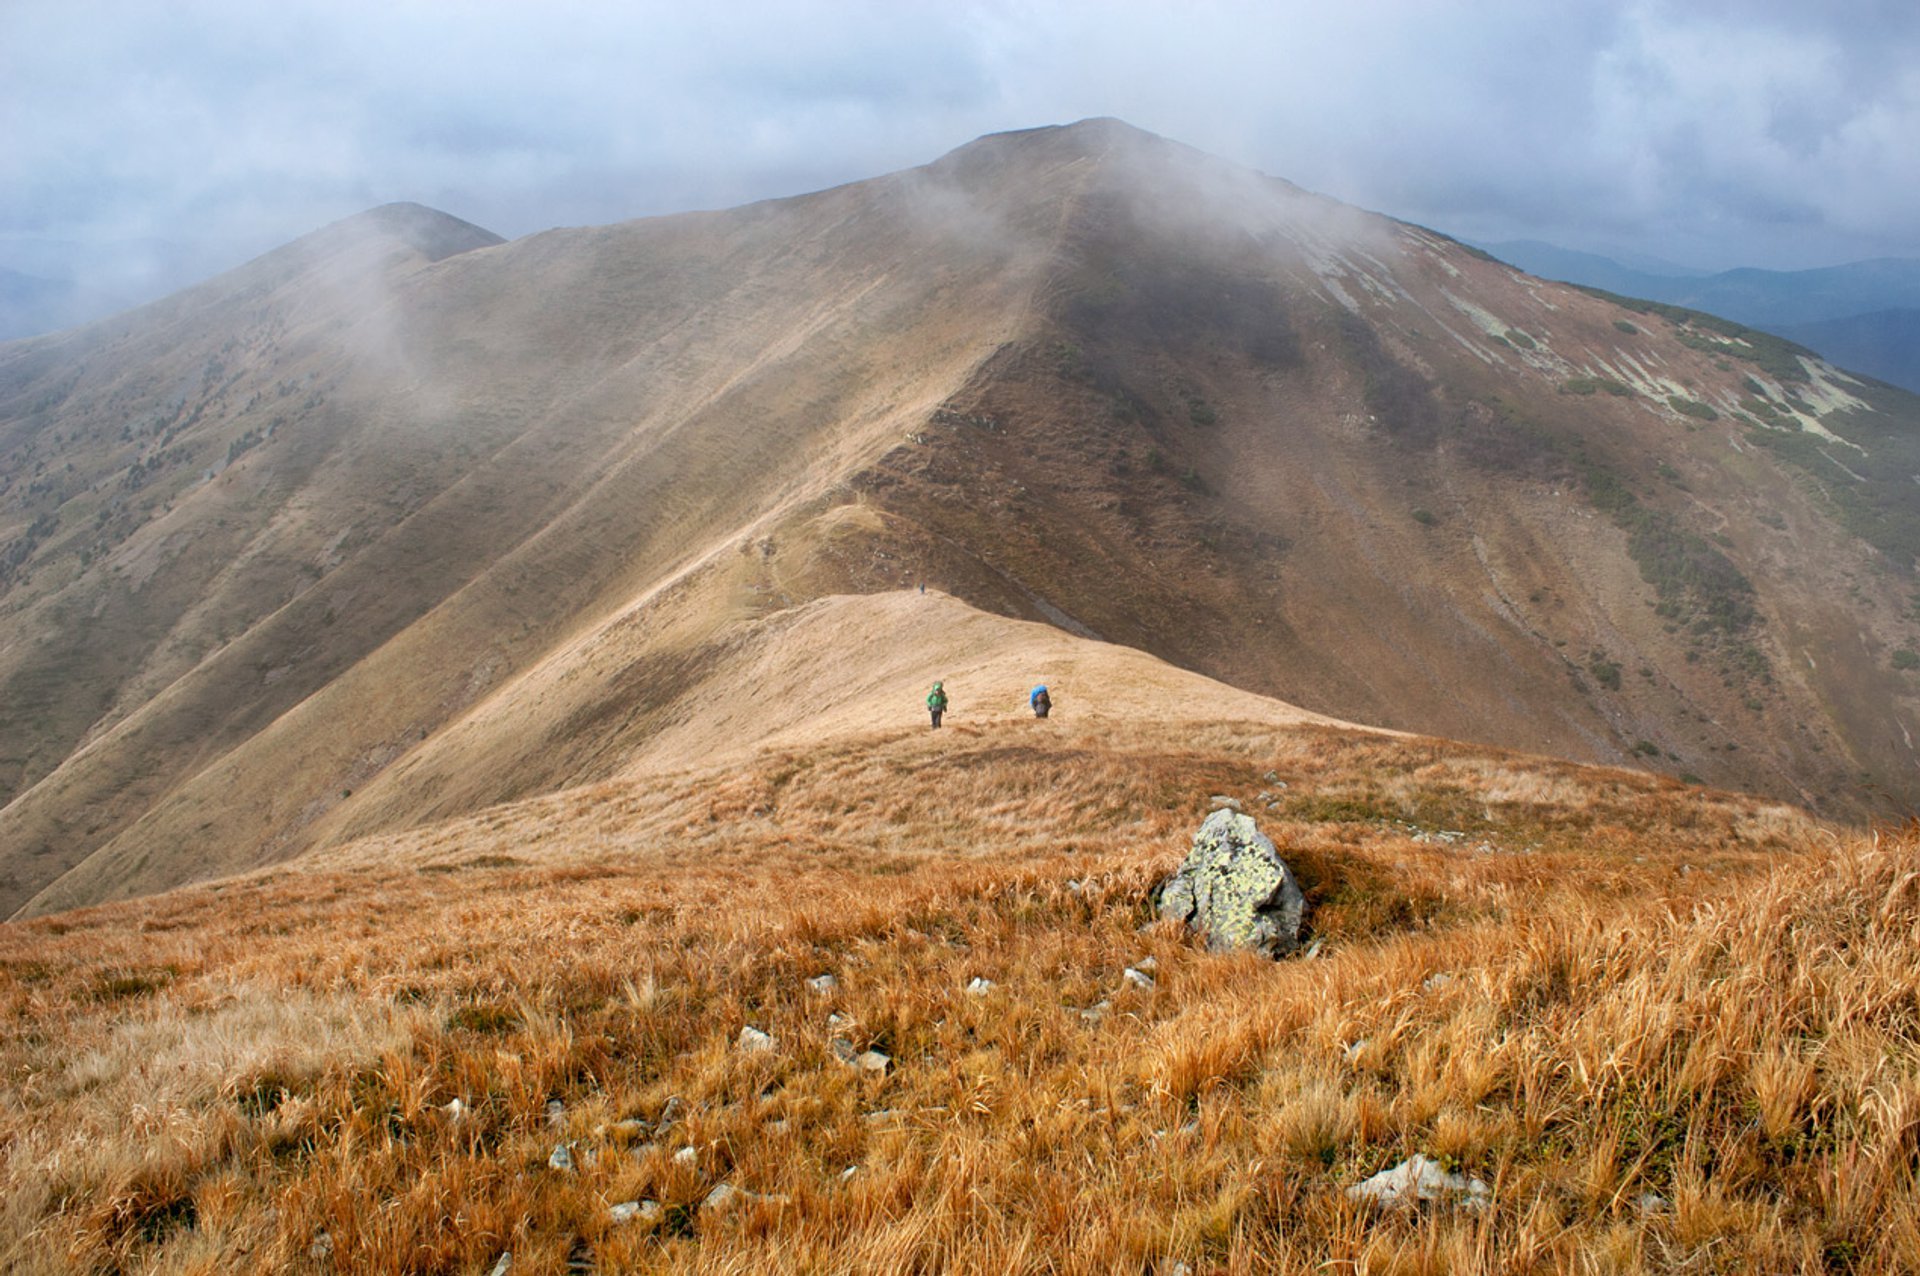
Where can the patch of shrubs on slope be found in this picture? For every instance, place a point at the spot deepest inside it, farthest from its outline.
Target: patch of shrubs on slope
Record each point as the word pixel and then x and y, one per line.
pixel 1873 495
pixel 1695 582
pixel 1399 398
pixel 1697 586
pixel 1711 334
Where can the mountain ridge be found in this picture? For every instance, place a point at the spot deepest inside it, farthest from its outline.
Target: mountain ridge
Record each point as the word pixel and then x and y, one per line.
pixel 392 553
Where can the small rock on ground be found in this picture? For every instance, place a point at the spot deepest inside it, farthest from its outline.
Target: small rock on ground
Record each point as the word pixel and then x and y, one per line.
pixel 1418 1179
pixel 1138 978
pixel 645 1211
pixel 823 983
pixel 751 1038
pixel 980 986
pixel 1221 801
pixel 503 1266
pixel 873 1063
pixel 561 1158
pixel 556 1113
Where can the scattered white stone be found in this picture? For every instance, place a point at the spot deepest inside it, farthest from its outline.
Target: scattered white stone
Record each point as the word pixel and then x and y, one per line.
pixel 645 1211
pixel 1073 885
pixel 726 1195
pixel 838 1020
pixel 1651 1203
pixel 873 1063
pixel 321 1249
pixel 846 1175
pixel 1180 1269
pixel 455 1109
pixel 503 1265
pixel 842 1050
pixel 556 1113
pixel 1138 978
pixel 674 1109
pixel 1221 801
pixel 1313 949
pixel 823 984
pixel 561 1158
pixel 688 1157
pixel 980 986
pixel 1150 964
pixel 882 1116
pixel 1272 777
pixel 1418 1179
pixel 1353 1051
pixel 1435 982
pixel 752 1039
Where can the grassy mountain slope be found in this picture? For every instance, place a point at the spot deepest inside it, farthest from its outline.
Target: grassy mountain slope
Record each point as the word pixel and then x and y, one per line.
pixel 1663 1023
pixel 486 523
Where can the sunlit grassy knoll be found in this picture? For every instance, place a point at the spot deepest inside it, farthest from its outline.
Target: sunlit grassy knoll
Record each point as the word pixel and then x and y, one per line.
pixel 1608 986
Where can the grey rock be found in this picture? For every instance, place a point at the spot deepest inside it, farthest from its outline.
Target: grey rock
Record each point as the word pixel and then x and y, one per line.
pixel 823 984
pixel 1651 1203
pixel 883 1116
pixel 1235 890
pixel 873 1063
pixel 1094 1014
pixel 687 1157
pixel 1222 802
pixel 1435 982
pixel 626 1211
pixel 843 1050
pixel 846 1175
pixel 503 1265
pixel 1418 1179
pixel 456 1110
pixel 838 1020
pixel 755 1041
pixel 1149 964
pixel 674 1108
pixel 1138 978
pixel 561 1158
pixel 321 1249
pixel 556 1113
pixel 980 986
pixel 1313 949
pixel 1271 777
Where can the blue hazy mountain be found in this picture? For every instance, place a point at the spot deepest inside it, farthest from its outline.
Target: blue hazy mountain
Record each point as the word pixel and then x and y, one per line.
pixel 1861 315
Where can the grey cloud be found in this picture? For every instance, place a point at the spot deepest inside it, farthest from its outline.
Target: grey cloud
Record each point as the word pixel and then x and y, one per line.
pixel 174 140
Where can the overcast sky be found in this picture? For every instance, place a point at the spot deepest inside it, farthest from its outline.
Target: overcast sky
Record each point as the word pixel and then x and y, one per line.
pixel 150 144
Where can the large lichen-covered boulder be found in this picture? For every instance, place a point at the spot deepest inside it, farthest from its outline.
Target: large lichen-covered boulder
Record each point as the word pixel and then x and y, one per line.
pixel 1235 889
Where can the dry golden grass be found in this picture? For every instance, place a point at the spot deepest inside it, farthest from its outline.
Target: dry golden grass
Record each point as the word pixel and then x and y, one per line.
pixel 1647 989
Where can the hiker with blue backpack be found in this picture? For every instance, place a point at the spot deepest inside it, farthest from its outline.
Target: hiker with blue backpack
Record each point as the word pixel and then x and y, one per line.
pixel 1040 701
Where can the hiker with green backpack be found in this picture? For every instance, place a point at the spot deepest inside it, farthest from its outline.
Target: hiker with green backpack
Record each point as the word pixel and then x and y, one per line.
pixel 937 702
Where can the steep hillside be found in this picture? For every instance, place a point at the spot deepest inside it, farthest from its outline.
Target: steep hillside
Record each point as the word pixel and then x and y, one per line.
pixel 376 530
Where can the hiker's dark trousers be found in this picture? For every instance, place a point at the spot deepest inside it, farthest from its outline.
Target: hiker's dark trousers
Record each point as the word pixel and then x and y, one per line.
pixel 1040 710
pixel 936 715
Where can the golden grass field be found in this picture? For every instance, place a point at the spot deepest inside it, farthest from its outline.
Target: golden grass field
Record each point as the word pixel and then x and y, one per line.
pixel 1649 988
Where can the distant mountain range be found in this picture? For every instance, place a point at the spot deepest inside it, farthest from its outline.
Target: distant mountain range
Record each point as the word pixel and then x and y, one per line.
pixel 1864 315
